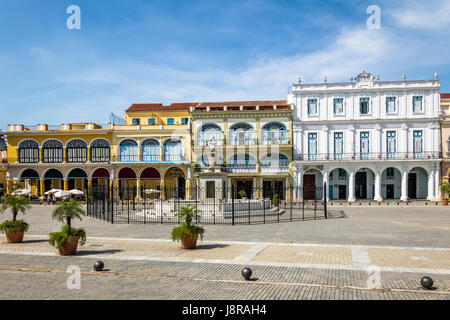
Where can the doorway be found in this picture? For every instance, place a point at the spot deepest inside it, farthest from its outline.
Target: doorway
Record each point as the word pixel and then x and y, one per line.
pixel 361 185
pixel 247 186
pixel 309 186
pixel 389 191
pixel 342 192
pixel 412 185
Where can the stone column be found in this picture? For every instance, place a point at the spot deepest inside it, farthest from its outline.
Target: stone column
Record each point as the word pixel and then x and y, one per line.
pixel 325 180
pixel 299 185
pixel 377 196
pixel 351 186
pixel 431 185
pixel 138 188
pixel 163 193
pixel 437 195
pixel 41 187
pixel 404 189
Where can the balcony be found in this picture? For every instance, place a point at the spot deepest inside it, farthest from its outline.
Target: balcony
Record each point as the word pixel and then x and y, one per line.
pixel 426 155
pixel 274 137
pixel 241 168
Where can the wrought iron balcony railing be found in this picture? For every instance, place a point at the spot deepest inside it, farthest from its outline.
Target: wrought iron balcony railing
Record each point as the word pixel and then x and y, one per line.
pixel 368 156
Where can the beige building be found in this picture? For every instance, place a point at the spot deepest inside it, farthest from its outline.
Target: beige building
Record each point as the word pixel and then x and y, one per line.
pixel 445 135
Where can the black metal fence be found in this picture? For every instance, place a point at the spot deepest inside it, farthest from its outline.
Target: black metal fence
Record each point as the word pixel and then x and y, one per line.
pixel 217 205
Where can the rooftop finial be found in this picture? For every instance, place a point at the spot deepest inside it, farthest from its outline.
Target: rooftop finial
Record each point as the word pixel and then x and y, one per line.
pixel 435 76
pixel 299 79
pixel 351 78
pixel 404 77
pixel 325 79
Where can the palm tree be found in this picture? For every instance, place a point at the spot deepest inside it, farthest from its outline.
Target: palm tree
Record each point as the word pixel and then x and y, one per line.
pixel 16 204
pixel 68 211
pixel 187 213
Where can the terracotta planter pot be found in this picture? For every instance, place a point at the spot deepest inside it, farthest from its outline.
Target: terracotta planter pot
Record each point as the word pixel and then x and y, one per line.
pixel 69 248
pixel 444 202
pixel 188 242
pixel 14 236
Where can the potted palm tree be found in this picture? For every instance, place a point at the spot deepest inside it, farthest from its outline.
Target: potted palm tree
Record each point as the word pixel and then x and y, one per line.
pixel 445 189
pixel 276 199
pixel 187 232
pixel 243 194
pixel 14 229
pixel 66 240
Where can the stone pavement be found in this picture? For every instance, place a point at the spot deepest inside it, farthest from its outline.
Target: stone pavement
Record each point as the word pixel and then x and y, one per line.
pixel 324 259
pixel 283 270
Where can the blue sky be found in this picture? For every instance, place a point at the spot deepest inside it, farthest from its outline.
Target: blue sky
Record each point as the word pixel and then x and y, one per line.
pixel 135 51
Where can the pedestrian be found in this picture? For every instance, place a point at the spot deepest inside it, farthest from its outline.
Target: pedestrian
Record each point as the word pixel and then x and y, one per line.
pixel 54 199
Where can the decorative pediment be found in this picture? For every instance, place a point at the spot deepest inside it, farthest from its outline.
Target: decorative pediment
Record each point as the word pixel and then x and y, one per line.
pixel 364 76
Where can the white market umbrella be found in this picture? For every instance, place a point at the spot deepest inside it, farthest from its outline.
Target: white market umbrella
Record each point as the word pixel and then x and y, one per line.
pixel 62 194
pixel 76 192
pixel 52 191
pixel 150 191
pixel 21 192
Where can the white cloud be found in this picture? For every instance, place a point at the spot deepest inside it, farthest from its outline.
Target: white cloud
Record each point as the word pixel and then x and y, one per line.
pixel 425 15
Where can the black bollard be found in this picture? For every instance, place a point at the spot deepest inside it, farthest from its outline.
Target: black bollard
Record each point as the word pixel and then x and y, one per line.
pixel 427 282
pixel 247 273
pixel 99 265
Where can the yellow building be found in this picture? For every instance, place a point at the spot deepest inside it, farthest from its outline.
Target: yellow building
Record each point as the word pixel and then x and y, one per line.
pixel 445 135
pixel 151 150
pixel 3 165
pixel 69 156
pixel 251 142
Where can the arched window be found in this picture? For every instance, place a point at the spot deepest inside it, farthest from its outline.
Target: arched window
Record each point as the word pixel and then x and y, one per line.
pixel 274 133
pixel 28 152
pixel 100 151
pixel 77 151
pixel 242 163
pixel 151 150
pixel 128 151
pixel 274 162
pixel 173 150
pixel 208 133
pixel 242 134
pixel 52 152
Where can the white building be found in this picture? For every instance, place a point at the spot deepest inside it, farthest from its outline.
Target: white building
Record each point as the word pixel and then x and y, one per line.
pixel 367 139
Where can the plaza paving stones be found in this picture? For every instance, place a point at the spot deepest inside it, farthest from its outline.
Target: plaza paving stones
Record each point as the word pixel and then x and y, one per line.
pixel 424 259
pixel 309 255
pixel 324 259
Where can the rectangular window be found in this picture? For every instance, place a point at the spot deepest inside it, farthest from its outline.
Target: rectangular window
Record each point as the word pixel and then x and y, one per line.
pixel 364 145
pixel 136 121
pixel 418 147
pixel 184 120
pixel 391 144
pixel 391 106
pixel 151 121
pixel 364 105
pixel 342 174
pixel 312 146
pixel 390 174
pixel 417 104
pixel 312 107
pixel 338 106
pixel 170 121
pixel 338 145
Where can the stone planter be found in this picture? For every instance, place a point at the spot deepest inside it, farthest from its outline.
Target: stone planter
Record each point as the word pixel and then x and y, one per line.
pixel 14 236
pixel 188 242
pixel 444 202
pixel 70 247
